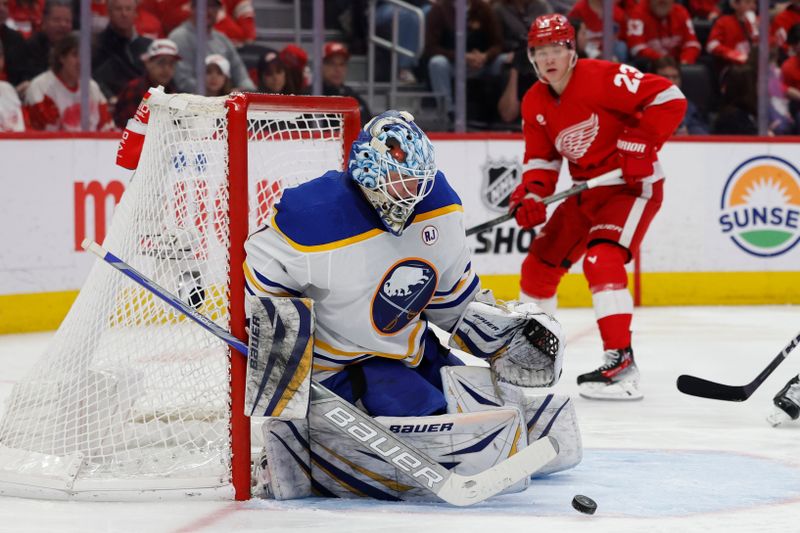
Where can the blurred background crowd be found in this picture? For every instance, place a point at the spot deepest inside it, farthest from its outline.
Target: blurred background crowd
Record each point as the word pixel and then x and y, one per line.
pixel 388 53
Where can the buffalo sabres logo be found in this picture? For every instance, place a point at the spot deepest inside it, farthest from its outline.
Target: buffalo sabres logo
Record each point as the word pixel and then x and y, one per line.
pixel 404 292
pixel 500 178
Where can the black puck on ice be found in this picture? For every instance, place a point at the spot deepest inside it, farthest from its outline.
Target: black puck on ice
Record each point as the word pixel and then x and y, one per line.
pixel 584 504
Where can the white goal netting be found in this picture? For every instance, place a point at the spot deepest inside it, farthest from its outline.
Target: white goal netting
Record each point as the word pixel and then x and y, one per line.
pixel 130 397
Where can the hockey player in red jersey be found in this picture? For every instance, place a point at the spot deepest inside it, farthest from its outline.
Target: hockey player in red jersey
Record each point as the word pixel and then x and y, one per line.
pixel 599 116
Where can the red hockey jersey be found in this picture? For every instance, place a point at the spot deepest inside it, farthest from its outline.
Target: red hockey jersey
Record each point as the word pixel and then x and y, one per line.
pixel 583 124
pixel 730 36
pixel 782 23
pixel 650 37
pixel 236 20
pixel 594 25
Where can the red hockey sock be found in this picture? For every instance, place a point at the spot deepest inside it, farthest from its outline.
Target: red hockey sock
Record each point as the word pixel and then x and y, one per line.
pixel 604 268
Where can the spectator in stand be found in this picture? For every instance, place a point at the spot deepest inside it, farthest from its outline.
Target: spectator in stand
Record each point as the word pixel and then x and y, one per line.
pixel 334 73
pixel 484 44
pixel 11 116
pixel 159 66
pixel 218 76
pixel 782 23
pixel 53 99
pixel 590 13
pixel 147 25
pixel 781 119
pixel 33 57
pixel 516 17
pixel 295 61
pixel 737 114
pixel 9 38
pixel 234 18
pixel 273 76
pixel 733 35
pixel 693 122
pixel 790 71
pixel 349 16
pixel 184 36
pixel 118 49
pixel 704 9
pixel 25 16
pixel 657 28
pixel 562 7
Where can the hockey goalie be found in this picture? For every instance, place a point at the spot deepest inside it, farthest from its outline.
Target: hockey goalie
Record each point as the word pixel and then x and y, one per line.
pixel 379 251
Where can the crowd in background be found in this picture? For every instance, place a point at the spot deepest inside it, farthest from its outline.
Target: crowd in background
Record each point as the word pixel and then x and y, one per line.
pixel 707 47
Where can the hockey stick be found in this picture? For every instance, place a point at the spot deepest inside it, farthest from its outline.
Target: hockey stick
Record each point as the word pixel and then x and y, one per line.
pixel 613 177
pixel 424 472
pixel 703 388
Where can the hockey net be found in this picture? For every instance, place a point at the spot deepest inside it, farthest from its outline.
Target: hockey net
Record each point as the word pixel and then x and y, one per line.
pixel 130 400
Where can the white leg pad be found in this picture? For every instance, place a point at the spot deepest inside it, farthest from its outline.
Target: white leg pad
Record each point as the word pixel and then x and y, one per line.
pixel 283 471
pixel 471 389
pixel 465 443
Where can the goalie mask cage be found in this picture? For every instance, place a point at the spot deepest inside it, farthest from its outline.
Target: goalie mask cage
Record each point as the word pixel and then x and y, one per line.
pixel 131 400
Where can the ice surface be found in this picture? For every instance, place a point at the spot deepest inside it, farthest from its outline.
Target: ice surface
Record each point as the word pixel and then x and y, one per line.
pixel 667 463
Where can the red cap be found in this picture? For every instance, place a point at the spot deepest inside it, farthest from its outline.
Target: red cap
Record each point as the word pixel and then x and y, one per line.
pixel 293 57
pixel 333 48
pixel 550 29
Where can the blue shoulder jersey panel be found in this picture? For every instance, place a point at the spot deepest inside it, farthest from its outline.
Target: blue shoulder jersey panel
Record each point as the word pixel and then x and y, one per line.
pixel 331 209
pixel 441 196
pixel 324 211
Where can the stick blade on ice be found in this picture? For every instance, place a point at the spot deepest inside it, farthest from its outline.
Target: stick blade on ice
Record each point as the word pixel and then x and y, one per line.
pixel 703 388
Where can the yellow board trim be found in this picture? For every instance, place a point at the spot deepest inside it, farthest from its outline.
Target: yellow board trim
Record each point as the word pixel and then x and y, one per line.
pixel 44 311
pixel 22 313
pixel 675 288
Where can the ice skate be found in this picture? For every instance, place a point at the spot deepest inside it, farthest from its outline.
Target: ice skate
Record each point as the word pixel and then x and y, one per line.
pixel 786 403
pixel 617 379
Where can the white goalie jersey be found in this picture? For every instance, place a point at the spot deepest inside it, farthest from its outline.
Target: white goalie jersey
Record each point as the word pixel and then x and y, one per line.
pixel 374 292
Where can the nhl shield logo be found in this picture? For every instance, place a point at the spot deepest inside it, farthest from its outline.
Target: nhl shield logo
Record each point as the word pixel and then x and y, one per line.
pixel 500 178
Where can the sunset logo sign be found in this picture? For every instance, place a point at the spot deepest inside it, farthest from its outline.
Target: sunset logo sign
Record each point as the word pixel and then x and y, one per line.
pixel 761 206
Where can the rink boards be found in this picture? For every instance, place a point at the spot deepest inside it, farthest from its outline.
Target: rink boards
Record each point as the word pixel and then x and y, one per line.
pixel 727 232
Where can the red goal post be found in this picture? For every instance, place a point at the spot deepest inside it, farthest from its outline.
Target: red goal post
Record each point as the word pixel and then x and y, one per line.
pixel 238 133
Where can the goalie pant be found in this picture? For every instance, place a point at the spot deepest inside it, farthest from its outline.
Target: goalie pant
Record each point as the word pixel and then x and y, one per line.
pixel 485 424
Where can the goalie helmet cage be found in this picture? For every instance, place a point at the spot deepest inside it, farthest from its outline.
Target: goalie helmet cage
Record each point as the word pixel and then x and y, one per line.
pixel 130 400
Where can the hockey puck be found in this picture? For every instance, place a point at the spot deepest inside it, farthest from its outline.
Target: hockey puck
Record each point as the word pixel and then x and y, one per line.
pixel 584 504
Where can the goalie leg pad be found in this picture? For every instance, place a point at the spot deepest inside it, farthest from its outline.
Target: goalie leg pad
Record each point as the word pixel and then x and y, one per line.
pixel 471 389
pixel 283 471
pixel 466 443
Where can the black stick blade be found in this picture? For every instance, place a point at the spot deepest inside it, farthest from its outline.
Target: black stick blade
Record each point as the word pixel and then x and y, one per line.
pixel 703 388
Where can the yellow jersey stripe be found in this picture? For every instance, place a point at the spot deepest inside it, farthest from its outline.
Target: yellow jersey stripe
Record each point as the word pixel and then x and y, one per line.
pixel 341 243
pixel 335 351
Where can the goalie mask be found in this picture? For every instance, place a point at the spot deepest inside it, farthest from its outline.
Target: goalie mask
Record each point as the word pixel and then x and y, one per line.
pixel 392 161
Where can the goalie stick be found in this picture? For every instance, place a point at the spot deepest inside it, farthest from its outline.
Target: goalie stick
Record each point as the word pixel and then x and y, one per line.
pixel 424 472
pixel 703 388
pixel 613 177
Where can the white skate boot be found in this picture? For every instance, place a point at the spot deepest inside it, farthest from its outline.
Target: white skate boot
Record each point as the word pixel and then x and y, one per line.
pixel 787 403
pixel 617 379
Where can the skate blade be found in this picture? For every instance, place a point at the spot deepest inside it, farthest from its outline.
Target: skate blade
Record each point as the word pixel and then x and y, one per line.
pixel 778 417
pixel 625 392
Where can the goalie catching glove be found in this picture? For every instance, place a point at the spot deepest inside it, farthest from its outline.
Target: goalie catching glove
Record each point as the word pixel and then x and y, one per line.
pixel 523 344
